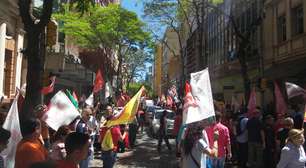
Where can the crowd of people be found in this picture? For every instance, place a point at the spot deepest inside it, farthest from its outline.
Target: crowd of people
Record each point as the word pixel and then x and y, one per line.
pixel 244 141
pixel 228 139
pixel 73 145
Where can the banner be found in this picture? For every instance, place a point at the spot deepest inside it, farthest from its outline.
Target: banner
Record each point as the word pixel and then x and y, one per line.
pixel 12 124
pixel 294 90
pixel 90 100
pixel 281 106
pixel 61 111
pixel 202 95
pixel 189 103
pixel 129 111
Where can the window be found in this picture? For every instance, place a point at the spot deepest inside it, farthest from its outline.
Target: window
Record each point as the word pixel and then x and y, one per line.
pixel 281 28
pixel 297 20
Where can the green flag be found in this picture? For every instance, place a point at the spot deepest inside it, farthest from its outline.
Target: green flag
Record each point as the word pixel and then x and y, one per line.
pixel 216 2
pixel 73 101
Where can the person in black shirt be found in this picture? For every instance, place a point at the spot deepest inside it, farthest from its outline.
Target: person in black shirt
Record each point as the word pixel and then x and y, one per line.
pixel 269 151
pixel 282 135
pixel 256 140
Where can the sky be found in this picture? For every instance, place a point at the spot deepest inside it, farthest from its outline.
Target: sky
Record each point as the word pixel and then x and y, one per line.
pixel 133 5
pixel 137 7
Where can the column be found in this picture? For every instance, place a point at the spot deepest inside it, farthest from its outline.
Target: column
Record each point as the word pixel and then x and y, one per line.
pixel 19 46
pixel 2 56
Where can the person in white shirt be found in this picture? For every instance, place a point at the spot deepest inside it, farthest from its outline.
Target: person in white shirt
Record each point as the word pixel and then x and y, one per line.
pixel 196 147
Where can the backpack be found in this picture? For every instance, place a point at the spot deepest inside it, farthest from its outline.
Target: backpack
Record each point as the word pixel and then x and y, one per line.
pixel 238 126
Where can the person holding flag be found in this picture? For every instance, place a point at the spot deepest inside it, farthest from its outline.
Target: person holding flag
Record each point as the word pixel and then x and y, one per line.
pixel 109 138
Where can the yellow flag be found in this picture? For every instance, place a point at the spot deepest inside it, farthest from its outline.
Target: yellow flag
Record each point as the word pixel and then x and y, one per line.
pixel 129 111
pixel 107 142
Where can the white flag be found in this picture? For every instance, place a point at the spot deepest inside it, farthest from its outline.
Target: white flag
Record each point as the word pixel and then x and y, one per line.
pixel 90 100
pixel 61 111
pixel 12 124
pixel 201 92
pixel 107 90
pixel 294 90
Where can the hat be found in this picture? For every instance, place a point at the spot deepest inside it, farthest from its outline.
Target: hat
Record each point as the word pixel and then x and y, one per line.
pixel 293 133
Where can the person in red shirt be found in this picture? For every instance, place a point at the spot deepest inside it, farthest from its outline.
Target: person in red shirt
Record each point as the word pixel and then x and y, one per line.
pixel 176 128
pixel 77 146
pixel 219 138
pixel 109 156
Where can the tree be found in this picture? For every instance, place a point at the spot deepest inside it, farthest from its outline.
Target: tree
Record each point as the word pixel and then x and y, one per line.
pixel 35 50
pixel 136 59
pixel 111 27
pixel 182 16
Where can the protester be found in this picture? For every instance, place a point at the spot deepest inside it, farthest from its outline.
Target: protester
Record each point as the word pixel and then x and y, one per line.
pixel 141 119
pixel 269 151
pixel 223 142
pixel 162 132
pixel 241 133
pixel 58 151
pixel 77 148
pixel 109 154
pixel 82 127
pixel 4 139
pixel 282 135
pixel 93 129
pixel 196 147
pixel 293 154
pixel 122 145
pixel 177 124
pixel 39 112
pixel 30 149
pixel 256 140
pixel 133 132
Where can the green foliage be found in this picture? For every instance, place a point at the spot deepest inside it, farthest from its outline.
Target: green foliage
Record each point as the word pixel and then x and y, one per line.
pixel 108 26
pixel 134 87
pixel 136 60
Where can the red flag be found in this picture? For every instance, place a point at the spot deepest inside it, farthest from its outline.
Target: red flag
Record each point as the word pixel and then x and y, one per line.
pixel 99 82
pixel 75 96
pixel 169 101
pixel 252 104
pixel 281 106
pixel 49 89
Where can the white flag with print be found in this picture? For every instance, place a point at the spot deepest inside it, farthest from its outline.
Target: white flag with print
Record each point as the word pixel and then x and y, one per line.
pixel 61 111
pixel 12 124
pixel 90 100
pixel 294 90
pixel 201 92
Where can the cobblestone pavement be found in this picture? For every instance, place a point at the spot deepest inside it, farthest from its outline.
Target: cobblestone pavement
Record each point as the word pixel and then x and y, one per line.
pixel 144 155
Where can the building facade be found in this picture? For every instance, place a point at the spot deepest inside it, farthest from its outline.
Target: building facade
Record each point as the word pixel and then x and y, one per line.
pixel 12 64
pixel 285 41
pixel 171 60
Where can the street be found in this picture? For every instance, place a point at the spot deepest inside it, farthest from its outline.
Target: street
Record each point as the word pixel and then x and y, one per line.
pixel 143 155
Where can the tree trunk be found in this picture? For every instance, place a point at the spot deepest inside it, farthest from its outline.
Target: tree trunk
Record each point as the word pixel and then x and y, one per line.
pixel 35 53
pixel 241 54
pixel 119 74
pixel 36 56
